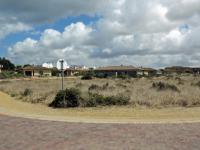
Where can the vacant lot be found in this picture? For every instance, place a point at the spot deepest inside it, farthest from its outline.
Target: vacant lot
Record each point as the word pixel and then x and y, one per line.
pixel 143 92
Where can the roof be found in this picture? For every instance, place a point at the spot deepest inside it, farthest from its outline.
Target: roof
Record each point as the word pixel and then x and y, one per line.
pixel 177 69
pixel 147 69
pixel 116 68
pixel 36 68
pixel 77 69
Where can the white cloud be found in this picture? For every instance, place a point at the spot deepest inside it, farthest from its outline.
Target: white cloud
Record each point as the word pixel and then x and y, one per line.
pixel 8 26
pixel 151 33
pixel 71 44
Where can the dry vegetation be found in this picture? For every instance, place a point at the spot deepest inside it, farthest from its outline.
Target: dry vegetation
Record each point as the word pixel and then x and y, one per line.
pixel 143 92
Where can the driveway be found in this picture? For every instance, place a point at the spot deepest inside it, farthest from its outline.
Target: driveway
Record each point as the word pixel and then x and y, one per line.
pixel 29 134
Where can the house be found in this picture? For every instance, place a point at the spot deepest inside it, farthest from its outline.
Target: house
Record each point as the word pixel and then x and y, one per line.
pixel 75 71
pixel 36 71
pixel 175 70
pixel 116 71
pixel 146 72
pixel 196 70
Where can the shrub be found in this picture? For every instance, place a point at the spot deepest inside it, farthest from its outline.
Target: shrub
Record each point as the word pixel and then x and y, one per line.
pixel 105 86
pixel 10 74
pixel 100 100
pixel 94 87
pixel 97 87
pixel 27 92
pixel 182 102
pixel 101 75
pixel 72 97
pixel 123 76
pixel 59 101
pixel 196 84
pixel 87 76
pixel 66 98
pixel 160 86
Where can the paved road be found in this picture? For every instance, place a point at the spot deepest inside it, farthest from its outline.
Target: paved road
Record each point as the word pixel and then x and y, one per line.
pixel 27 134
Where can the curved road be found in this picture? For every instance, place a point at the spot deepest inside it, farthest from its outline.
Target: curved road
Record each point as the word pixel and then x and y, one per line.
pixel 30 134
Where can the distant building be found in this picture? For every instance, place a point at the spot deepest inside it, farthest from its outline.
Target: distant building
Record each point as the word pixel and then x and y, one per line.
pixel 175 70
pixel 74 72
pixel 36 71
pixel 47 65
pixel 146 72
pixel 196 70
pixel 81 67
pixel 110 71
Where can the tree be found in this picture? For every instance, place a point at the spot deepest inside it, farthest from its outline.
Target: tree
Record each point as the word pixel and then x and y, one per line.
pixel 7 65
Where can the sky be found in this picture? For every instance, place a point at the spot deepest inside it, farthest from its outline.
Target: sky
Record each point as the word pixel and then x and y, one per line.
pixel 153 33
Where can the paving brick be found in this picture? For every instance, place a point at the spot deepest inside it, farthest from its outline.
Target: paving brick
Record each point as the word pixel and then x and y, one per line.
pixel 29 134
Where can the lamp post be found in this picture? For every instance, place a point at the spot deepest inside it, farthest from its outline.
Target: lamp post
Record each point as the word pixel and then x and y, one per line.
pixel 62 73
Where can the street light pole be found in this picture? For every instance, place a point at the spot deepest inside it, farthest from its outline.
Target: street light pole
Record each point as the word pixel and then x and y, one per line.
pixel 62 73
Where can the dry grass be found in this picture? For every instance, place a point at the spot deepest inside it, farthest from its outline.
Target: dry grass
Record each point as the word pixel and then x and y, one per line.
pixel 140 90
pixel 122 114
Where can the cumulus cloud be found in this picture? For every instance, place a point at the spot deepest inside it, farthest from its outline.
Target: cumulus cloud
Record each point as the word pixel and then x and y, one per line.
pixel 42 11
pixel 11 25
pixel 153 33
pixel 52 45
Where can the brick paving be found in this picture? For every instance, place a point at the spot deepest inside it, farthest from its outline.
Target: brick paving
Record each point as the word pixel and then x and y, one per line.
pixel 28 134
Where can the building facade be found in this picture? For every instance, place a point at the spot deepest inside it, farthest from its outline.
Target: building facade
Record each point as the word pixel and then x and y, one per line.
pixel 36 71
pixel 116 71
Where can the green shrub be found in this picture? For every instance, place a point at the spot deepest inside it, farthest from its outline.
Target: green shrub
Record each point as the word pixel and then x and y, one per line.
pixel 67 98
pixel 27 92
pixel 59 101
pixel 161 86
pixel 87 76
pixel 73 97
pixel 94 87
pixel 123 76
pixel 10 74
pixel 97 87
pixel 100 100
pixel 196 84
pixel 101 75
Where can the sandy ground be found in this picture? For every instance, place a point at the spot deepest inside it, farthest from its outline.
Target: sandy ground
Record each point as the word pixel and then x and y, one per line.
pixel 30 134
pixel 13 107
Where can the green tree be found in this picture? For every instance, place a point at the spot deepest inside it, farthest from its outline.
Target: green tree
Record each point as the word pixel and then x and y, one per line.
pixel 7 65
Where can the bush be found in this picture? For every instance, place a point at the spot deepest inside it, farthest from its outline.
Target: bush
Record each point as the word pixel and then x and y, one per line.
pixel 87 76
pixel 161 86
pixel 72 97
pixel 196 84
pixel 94 87
pixel 59 100
pixel 182 102
pixel 66 98
pixel 100 100
pixel 123 76
pixel 10 74
pixel 27 92
pixel 101 75
pixel 97 87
